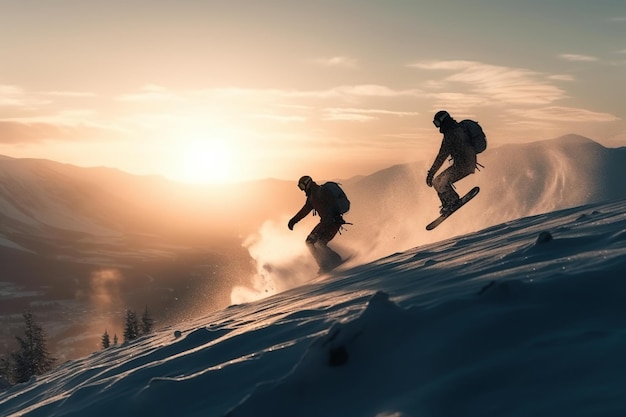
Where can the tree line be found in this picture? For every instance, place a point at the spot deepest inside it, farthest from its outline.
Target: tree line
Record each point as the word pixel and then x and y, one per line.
pixel 33 358
pixel 133 328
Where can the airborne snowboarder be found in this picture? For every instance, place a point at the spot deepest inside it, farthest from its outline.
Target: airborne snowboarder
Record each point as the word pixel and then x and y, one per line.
pixel 456 144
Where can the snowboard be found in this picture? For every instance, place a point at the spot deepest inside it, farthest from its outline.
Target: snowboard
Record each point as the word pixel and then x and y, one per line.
pixel 335 267
pixel 462 201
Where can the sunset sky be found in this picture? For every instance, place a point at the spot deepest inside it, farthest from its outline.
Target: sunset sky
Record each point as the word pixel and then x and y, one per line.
pixel 234 90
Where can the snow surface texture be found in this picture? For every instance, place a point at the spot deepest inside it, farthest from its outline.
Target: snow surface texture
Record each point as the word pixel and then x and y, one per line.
pixel 525 318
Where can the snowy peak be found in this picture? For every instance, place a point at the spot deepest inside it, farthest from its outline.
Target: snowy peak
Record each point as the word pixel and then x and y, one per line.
pixel 575 140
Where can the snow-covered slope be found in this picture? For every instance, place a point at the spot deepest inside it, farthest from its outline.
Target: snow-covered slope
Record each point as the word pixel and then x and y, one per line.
pixel 524 318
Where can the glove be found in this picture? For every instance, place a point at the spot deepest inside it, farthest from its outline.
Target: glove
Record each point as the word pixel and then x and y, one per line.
pixel 291 224
pixel 429 178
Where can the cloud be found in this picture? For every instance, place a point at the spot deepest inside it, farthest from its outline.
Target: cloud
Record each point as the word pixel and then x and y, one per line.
pixel 361 115
pixel 373 90
pixel 561 77
pixel 335 61
pixel 15 132
pixel 344 91
pixel 151 92
pixel 283 106
pixel 12 96
pixel 35 130
pixel 347 92
pixel 578 58
pixel 487 83
pixel 77 94
pixel 566 114
pixel 34 117
pixel 10 90
pixel 280 118
pixel 459 100
pixel 451 65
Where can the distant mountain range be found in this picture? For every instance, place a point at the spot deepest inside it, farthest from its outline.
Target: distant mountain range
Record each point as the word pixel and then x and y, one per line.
pixel 61 226
pixel 87 243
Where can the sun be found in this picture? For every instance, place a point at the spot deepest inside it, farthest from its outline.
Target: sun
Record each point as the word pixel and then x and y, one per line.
pixel 207 161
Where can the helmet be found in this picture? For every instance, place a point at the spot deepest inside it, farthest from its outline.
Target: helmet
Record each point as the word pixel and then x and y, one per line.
pixel 440 116
pixel 304 182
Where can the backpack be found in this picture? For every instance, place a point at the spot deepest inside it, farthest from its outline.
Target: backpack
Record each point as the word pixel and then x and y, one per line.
pixel 341 200
pixel 475 133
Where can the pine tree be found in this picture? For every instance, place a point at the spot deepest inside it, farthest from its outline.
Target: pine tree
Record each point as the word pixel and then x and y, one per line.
pixel 115 339
pixel 106 340
pixel 131 328
pixel 33 357
pixel 146 322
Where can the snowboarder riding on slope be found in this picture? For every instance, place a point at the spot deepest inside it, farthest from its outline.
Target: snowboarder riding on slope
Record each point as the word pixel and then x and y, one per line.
pixel 322 201
pixel 456 145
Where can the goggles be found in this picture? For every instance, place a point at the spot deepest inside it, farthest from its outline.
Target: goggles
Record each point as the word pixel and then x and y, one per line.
pixel 304 184
pixel 438 120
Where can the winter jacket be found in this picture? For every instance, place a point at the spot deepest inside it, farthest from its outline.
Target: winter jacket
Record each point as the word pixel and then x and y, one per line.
pixel 455 144
pixel 320 200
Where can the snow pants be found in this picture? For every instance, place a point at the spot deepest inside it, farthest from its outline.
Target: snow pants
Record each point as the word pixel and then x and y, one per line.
pixel 443 182
pixel 317 242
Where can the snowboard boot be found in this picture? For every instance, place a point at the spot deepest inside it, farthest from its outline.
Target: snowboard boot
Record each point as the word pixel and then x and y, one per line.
pixel 449 202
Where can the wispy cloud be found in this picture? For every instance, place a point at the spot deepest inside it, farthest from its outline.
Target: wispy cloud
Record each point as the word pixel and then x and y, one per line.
pixel 32 132
pixel 566 114
pixel 335 61
pixel 151 92
pixel 578 58
pixel 10 90
pixel 451 65
pixel 361 115
pixel 561 77
pixel 492 83
pixel 77 94
pixel 617 19
pixel 373 90
pixel 160 94
pixel 463 100
pixel 344 91
pixel 57 115
pixel 59 125
pixel 12 96
pixel 280 118
pixel 69 117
